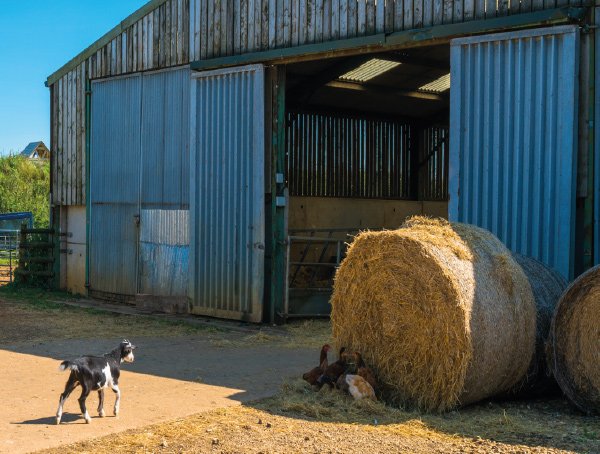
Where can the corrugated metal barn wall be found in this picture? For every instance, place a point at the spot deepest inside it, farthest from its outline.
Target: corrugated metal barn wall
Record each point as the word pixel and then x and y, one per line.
pixel 168 33
pixel 140 184
pixel 115 185
pixel 165 190
pixel 228 201
pixel 513 139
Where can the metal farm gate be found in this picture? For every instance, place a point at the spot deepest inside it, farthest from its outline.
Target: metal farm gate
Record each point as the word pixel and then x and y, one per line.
pixel 513 139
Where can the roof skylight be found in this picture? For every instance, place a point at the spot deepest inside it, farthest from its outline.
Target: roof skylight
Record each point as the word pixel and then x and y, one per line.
pixel 369 70
pixel 439 85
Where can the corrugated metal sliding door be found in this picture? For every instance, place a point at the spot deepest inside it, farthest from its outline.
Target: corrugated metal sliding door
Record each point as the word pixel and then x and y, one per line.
pixel 227 199
pixel 513 139
pixel 165 166
pixel 115 185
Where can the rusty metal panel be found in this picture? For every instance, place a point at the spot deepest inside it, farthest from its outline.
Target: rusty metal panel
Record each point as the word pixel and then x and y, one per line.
pixel 227 202
pixel 513 139
pixel 115 184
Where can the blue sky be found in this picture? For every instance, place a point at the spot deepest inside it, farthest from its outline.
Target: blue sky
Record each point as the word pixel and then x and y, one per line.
pixel 36 38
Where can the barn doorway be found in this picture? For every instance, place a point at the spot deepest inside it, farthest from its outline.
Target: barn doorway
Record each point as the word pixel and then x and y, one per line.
pixel 367 141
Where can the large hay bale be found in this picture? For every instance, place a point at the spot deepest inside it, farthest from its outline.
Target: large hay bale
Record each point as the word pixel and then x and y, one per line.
pixel 547 286
pixel 574 344
pixel 442 312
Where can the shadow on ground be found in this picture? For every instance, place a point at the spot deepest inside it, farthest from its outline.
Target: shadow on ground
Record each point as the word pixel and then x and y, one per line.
pixel 258 371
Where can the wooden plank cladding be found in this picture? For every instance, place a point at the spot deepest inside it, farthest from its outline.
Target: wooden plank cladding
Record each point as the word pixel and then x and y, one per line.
pixel 230 27
pixel 157 39
pixel 169 33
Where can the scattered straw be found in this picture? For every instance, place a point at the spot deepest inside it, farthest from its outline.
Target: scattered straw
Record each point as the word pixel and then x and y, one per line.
pixel 441 311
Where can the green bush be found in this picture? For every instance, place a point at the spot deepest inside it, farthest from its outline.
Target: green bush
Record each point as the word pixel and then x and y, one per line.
pixel 25 186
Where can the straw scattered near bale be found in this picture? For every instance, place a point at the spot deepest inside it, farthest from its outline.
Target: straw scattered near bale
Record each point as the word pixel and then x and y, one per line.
pixel 442 312
pixel 574 344
pixel 547 286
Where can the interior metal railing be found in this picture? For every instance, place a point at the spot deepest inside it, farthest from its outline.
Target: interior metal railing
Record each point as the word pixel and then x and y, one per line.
pixel 313 258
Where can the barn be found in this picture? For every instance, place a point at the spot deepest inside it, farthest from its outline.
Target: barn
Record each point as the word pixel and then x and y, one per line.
pixel 221 153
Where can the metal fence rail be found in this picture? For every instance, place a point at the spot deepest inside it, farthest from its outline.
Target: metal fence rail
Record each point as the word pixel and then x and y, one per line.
pixel 313 258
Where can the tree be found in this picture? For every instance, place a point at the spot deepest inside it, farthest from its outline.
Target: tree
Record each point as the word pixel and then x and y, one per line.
pixel 25 186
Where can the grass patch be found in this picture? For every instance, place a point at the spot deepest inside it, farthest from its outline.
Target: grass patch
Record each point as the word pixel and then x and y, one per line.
pixel 26 305
pixel 33 315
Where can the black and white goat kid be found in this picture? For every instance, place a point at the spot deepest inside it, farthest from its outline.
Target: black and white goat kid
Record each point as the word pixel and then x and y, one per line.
pixel 95 373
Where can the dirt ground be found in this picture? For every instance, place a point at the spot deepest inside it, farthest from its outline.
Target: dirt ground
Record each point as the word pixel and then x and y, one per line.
pixel 217 391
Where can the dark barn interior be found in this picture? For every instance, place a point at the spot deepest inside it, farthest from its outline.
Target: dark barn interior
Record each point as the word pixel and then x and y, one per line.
pixel 367 146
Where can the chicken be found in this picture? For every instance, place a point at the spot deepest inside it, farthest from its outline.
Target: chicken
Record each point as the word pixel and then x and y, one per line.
pixel 312 376
pixel 356 386
pixel 364 371
pixel 332 372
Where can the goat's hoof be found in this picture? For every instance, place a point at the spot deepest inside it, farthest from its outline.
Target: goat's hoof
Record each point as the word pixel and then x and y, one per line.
pixel 101 413
pixel 88 420
pixel 57 420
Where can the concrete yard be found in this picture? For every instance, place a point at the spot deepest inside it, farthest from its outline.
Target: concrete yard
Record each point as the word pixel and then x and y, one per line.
pixel 171 378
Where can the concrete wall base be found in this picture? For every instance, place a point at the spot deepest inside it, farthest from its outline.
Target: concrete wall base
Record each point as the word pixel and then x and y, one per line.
pixel 166 304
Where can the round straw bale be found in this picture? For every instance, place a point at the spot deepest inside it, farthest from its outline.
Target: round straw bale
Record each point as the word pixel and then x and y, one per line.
pixel 547 286
pixel 442 312
pixel 574 344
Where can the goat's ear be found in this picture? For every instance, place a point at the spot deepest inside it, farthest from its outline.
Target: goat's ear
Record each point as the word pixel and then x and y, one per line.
pixel 133 347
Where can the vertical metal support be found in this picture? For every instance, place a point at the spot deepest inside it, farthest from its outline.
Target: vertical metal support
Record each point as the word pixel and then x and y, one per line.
pixel 415 156
pixel 585 177
pixel 22 242
pixel 589 204
pixel 278 199
pixel 596 138
pixel 286 306
pixel 88 202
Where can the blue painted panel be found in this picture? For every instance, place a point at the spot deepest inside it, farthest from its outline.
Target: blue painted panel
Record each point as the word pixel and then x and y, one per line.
pixel 164 252
pixel 163 269
pixel 227 193
pixel 513 139
pixel 115 184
